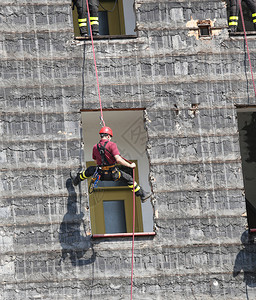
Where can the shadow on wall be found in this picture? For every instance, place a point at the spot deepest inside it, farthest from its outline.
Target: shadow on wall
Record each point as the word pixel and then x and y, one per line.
pixel 74 242
pixel 246 261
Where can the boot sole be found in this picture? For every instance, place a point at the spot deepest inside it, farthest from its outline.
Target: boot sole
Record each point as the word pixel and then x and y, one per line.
pixel 145 199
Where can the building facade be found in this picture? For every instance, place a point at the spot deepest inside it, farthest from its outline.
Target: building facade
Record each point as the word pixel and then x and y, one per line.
pixel 186 77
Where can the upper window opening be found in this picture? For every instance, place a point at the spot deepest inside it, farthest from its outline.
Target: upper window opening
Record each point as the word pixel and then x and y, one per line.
pixel 111 18
pixel 235 25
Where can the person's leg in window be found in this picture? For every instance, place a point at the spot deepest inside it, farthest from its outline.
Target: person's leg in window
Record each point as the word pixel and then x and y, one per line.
pixel 82 175
pixel 233 18
pixel 128 179
pixel 82 16
pixel 94 16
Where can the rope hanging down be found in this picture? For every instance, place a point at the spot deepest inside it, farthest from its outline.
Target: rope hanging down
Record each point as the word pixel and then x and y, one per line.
pixel 103 124
pixel 95 65
pixel 133 221
pixel 133 226
pixel 247 47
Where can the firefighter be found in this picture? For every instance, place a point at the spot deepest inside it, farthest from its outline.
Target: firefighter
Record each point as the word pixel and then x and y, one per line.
pixel 234 10
pixel 106 155
pixel 82 16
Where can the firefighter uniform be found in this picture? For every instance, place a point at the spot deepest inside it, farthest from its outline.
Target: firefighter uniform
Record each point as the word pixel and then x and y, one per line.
pixel 82 16
pixel 234 10
pixel 104 153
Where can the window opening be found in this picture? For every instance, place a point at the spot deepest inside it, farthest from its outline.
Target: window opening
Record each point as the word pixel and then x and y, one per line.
pixel 114 215
pixel 247 139
pixel 234 17
pixel 204 28
pixel 103 23
pixel 130 136
pixel 116 18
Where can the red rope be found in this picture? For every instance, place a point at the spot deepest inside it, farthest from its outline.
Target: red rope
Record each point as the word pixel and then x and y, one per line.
pixel 133 227
pixel 248 52
pixel 95 65
pixel 133 222
pixel 133 215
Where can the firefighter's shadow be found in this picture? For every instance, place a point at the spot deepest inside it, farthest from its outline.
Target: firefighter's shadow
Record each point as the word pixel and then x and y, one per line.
pixel 72 234
pixel 246 261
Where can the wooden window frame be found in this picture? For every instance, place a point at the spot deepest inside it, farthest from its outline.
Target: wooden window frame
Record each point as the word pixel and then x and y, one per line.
pixel 97 210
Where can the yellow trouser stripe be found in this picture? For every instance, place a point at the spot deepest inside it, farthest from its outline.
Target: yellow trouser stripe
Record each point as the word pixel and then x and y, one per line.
pixel 82 24
pixel 119 175
pixel 232 23
pixel 254 15
pixel 254 21
pixel 82 175
pixel 137 187
pixel 94 23
pixel 233 18
pixel 82 20
pixel 94 18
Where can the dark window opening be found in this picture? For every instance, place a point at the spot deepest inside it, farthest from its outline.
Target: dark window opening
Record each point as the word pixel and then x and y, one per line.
pixel 247 139
pixel 114 215
pixel 204 28
pixel 103 23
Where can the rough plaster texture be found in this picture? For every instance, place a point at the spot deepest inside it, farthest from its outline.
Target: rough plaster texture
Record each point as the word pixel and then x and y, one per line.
pixel 46 78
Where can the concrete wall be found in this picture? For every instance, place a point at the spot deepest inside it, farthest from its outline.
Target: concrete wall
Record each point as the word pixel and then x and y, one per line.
pixel 195 165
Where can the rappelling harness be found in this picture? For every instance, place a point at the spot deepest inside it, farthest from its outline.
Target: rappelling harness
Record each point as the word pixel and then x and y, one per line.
pixel 106 171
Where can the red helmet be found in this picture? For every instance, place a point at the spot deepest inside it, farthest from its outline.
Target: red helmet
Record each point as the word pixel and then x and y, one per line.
pixel 107 130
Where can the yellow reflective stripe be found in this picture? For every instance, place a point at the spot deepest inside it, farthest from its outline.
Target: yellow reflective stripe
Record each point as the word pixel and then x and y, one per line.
pixel 137 187
pixel 254 15
pixel 94 23
pixel 232 23
pixel 82 24
pixel 94 18
pixel 254 21
pixel 82 175
pixel 233 18
pixel 119 175
pixel 136 190
pixel 82 20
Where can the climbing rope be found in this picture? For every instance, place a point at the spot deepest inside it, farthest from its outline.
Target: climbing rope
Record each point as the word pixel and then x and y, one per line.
pixel 95 65
pixel 133 227
pixel 103 124
pixel 247 47
pixel 133 221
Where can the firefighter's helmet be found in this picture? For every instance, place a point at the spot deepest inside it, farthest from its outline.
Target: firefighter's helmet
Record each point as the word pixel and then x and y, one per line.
pixel 106 130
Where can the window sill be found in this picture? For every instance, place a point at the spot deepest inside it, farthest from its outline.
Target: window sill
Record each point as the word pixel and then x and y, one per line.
pixel 106 37
pixel 241 33
pixel 118 235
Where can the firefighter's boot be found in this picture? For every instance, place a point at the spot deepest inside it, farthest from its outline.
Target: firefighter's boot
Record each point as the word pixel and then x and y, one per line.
pixel 145 196
pixel 75 177
pixel 232 28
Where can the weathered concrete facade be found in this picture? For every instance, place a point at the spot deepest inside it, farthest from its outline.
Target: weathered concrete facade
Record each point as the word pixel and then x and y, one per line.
pixel 196 176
